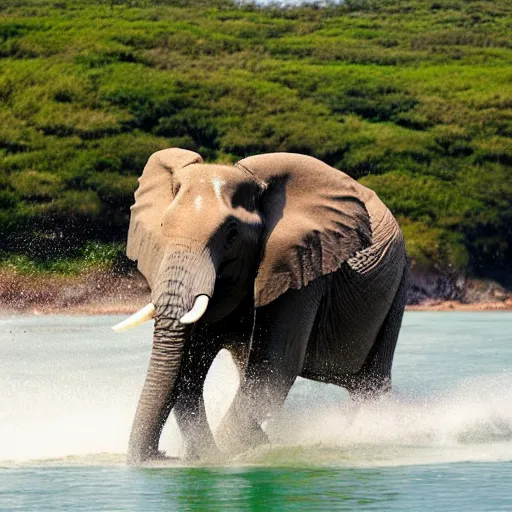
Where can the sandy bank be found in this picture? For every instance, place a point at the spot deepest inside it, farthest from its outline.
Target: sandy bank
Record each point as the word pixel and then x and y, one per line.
pixel 453 305
pixel 103 293
pixel 95 293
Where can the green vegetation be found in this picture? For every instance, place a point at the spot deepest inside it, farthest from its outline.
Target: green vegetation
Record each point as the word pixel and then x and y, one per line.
pixel 91 256
pixel 414 98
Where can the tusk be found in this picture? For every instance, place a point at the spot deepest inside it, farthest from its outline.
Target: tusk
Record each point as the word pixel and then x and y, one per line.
pixel 141 316
pixel 197 310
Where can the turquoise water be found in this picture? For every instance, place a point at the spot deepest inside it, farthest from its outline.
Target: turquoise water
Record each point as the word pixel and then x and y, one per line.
pixel 442 441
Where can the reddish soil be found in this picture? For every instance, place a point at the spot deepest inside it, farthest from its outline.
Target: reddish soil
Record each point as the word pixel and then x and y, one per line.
pixel 453 305
pixel 103 293
pixel 95 293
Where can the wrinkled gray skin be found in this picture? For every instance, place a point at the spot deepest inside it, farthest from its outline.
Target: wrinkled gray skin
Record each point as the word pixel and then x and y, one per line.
pixel 306 274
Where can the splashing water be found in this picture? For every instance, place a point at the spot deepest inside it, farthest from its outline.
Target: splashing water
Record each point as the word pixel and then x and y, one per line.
pixel 71 388
pixel 458 425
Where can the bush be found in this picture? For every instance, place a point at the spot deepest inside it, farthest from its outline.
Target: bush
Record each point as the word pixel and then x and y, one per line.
pixel 36 186
pixel 412 98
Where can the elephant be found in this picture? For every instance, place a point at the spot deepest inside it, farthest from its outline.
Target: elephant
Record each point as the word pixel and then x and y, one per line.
pixel 293 266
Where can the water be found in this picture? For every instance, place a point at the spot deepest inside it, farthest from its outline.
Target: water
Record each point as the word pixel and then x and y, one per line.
pixel 442 441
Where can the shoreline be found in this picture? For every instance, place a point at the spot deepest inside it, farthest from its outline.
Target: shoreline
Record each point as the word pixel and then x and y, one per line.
pixel 95 310
pixel 105 293
pixel 454 305
pixel 126 309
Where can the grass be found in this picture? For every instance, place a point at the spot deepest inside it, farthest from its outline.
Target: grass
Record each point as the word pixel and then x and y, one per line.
pixel 93 256
pixel 410 97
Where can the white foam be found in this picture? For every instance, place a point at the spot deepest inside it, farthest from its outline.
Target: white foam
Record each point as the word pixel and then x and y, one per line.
pixel 472 421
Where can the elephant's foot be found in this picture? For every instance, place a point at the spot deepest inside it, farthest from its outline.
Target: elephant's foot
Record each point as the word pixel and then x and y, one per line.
pixel 238 434
pixel 202 453
pixel 155 457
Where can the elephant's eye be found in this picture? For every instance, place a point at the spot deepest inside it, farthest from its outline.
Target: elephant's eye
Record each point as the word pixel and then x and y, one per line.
pixel 231 235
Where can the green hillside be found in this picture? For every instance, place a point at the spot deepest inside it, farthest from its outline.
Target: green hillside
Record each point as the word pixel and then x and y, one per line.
pixel 413 98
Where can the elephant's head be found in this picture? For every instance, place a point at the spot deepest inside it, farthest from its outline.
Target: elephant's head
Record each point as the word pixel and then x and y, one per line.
pixel 205 236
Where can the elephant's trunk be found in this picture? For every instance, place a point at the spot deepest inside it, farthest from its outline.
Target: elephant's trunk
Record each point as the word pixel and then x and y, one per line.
pixel 184 275
pixel 158 394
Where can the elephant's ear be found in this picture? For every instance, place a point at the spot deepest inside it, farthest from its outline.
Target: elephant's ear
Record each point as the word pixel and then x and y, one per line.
pixel 315 219
pixel 146 242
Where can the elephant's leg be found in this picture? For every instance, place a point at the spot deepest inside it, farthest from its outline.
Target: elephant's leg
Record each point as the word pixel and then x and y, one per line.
pixel 189 408
pixel 278 346
pixel 374 378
